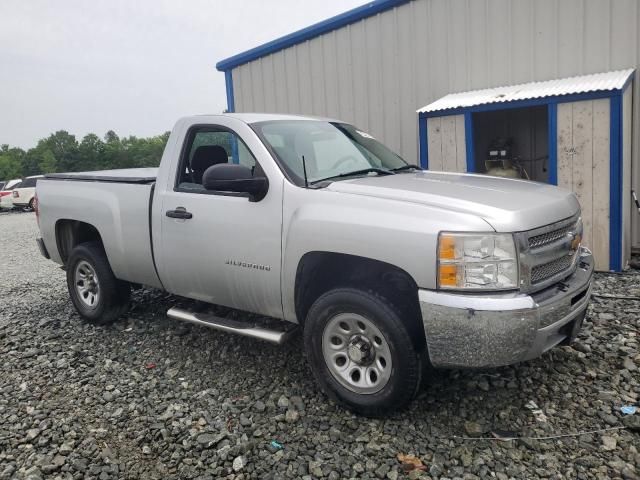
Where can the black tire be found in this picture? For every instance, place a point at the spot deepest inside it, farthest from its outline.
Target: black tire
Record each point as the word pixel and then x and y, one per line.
pixel 113 298
pixel 31 205
pixel 406 371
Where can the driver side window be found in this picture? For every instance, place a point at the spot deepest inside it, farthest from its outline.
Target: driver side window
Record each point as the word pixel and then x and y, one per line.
pixel 208 146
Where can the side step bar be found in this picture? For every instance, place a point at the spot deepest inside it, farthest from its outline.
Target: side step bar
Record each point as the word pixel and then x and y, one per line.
pixel 232 326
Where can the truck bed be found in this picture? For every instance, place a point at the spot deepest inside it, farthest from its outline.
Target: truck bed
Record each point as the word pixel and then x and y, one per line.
pixel 116 203
pixel 124 175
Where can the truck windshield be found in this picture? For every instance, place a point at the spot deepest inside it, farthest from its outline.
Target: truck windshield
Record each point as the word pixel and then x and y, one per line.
pixel 330 150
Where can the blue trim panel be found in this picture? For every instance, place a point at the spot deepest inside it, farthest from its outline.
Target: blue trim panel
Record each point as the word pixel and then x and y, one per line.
pixel 524 103
pixel 468 140
pixel 424 145
pixel 228 80
pixel 552 112
pixel 615 187
pixel 333 23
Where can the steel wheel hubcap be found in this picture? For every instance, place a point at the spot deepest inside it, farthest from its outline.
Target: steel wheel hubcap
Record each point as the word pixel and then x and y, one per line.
pixel 356 353
pixel 87 285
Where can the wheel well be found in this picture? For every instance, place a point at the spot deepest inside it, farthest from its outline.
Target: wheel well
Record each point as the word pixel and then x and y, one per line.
pixel 319 272
pixel 70 233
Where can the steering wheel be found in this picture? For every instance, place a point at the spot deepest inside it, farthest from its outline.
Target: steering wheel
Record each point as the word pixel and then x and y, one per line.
pixel 345 159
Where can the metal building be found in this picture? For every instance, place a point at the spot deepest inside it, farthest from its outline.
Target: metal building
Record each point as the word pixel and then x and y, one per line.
pixel 379 64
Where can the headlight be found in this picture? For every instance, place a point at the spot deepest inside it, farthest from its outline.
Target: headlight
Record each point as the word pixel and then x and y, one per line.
pixel 472 261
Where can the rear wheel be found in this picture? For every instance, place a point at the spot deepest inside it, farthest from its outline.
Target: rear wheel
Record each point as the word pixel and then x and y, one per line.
pixel 97 294
pixel 361 353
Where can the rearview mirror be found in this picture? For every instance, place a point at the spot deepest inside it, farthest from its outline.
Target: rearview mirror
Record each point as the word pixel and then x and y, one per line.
pixel 231 177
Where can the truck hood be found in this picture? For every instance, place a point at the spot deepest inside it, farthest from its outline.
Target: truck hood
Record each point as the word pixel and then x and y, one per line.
pixel 507 205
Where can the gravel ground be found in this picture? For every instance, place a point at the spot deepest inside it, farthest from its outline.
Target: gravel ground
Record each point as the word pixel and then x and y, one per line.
pixel 153 398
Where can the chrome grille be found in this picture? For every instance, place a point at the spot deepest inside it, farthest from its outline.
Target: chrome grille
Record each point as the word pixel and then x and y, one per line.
pixel 549 237
pixel 540 273
pixel 548 254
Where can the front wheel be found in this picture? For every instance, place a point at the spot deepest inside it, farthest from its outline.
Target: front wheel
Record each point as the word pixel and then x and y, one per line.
pixel 361 353
pixel 97 294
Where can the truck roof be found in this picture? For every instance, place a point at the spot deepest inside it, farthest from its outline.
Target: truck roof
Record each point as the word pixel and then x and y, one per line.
pixel 263 117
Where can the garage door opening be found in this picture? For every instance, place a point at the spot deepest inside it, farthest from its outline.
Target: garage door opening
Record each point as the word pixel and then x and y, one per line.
pixel 512 142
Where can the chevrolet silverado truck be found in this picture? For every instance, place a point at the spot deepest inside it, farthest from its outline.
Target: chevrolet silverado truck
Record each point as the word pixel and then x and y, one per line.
pixel 312 224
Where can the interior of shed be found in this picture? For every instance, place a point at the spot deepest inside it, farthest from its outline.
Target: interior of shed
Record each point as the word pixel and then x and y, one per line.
pixel 512 142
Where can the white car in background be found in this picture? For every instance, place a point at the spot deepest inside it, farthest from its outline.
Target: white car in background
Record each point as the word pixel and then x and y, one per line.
pixel 6 200
pixel 23 194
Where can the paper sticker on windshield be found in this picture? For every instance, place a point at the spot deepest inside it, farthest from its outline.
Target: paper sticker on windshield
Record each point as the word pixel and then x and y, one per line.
pixel 364 134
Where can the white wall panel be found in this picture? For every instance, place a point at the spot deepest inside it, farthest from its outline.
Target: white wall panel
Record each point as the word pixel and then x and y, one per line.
pixel 457 22
pixel 570 37
pixel 477 46
pixel 545 39
pixel 291 72
pixel 378 71
pixel 305 78
pixel 407 82
pixel 360 75
pixel 269 84
pixel 596 35
pixel 280 80
pixel 521 32
pixel 344 74
pixel 499 41
pixel 391 84
pixel 375 64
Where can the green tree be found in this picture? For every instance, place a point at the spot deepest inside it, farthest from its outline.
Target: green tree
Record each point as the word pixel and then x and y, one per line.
pixel 64 148
pixel 61 152
pixel 114 155
pixel 48 162
pixel 31 162
pixel 10 162
pixel 91 152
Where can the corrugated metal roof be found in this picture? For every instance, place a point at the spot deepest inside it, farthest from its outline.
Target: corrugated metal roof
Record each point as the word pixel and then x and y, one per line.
pixel 566 86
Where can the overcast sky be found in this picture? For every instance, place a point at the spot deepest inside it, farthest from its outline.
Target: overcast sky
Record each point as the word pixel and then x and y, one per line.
pixel 130 66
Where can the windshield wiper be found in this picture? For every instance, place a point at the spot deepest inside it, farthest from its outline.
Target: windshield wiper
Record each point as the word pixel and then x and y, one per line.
pixel 406 167
pixel 379 171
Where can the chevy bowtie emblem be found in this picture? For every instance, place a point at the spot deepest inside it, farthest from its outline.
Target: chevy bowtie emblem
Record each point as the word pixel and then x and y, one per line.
pixel 575 240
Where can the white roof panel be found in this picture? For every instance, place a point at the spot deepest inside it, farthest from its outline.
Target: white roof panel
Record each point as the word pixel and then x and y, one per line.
pixel 566 86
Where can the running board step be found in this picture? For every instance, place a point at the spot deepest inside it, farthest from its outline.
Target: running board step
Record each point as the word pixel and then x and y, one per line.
pixel 231 326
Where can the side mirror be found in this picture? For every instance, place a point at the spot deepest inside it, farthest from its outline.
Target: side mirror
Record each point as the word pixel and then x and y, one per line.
pixel 231 177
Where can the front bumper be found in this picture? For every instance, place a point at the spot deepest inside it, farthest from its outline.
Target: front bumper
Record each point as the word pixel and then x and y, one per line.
pixel 490 330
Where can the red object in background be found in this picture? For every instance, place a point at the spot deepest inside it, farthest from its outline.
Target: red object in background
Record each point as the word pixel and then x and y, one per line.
pixel 5 193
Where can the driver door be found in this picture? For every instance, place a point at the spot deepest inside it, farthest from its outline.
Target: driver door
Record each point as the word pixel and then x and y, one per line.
pixel 222 248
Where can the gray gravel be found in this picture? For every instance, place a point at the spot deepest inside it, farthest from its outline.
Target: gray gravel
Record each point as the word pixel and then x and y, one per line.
pixel 153 398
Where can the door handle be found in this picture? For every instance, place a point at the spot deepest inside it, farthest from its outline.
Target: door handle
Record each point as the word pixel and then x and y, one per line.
pixel 179 212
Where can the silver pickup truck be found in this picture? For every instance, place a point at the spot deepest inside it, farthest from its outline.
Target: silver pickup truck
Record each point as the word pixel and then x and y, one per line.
pixel 313 224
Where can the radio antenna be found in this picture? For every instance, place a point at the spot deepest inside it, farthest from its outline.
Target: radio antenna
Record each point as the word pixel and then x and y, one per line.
pixel 304 169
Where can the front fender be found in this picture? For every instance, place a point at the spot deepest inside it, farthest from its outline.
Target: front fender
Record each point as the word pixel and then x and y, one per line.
pixel 399 233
